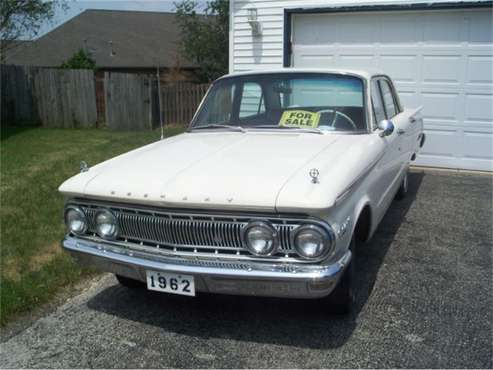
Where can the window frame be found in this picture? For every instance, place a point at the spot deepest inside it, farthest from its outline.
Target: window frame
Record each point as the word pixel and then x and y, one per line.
pixel 395 97
pixel 380 82
pixel 375 85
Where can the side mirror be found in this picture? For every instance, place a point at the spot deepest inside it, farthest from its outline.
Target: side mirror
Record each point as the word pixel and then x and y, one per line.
pixel 386 126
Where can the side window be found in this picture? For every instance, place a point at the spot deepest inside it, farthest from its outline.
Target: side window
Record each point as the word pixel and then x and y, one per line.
pixel 376 99
pixel 388 99
pixel 252 101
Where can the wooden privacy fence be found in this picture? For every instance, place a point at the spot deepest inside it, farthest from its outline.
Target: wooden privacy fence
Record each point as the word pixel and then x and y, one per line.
pixel 180 101
pixel 17 97
pixel 131 101
pixel 52 97
pixel 66 98
pixel 71 98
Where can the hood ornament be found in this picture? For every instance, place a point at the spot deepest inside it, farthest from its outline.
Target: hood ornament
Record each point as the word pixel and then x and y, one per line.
pixel 314 175
pixel 83 166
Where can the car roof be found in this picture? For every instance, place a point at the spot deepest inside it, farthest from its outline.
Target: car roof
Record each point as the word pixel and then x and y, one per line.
pixel 366 73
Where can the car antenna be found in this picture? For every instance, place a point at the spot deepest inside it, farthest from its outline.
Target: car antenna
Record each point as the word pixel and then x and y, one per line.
pixel 160 101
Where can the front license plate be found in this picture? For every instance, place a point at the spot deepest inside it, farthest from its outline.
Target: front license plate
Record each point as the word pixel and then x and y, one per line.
pixel 170 283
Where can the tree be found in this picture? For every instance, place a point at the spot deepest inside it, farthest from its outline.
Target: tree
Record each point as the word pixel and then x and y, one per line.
pixel 205 37
pixel 23 18
pixel 80 60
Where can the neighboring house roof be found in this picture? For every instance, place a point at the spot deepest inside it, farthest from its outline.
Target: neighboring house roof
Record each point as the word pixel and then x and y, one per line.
pixel 16 44
pixel 113 38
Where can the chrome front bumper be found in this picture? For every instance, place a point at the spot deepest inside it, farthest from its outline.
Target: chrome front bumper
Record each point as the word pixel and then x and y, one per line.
pixel 214 276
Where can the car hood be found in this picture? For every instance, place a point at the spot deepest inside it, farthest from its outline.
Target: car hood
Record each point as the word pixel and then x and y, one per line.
pixel 263 171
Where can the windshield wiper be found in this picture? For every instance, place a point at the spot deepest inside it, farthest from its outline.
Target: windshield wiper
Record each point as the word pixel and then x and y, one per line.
pixel 302 129
pixel 215 125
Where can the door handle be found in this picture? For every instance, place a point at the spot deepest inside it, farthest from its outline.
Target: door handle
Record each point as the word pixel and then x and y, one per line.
pixel 401 131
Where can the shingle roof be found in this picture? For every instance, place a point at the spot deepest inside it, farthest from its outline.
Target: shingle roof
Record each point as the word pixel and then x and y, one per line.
pixel 137 39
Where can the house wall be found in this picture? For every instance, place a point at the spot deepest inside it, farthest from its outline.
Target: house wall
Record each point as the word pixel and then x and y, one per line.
pixel 252 53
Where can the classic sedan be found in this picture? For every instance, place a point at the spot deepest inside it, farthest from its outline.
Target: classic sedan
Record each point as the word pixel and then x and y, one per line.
pixel 279 177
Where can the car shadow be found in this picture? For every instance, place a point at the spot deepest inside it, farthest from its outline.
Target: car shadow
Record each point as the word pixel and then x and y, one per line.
pixel 301 323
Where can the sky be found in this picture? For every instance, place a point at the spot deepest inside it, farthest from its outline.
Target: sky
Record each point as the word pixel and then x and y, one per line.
pixel 77 6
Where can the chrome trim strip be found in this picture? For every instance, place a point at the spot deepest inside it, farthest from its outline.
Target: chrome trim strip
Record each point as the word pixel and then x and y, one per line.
pixel 358 179
pixel 196 252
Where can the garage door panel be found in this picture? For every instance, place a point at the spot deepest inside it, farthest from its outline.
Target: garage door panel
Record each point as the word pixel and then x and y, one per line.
pixel 479 107
pixel 314 31
pixel 357 30
pixel 479 70
pixel 398 31
pixel 442 28
pixel 313 56
pixel 442 68
pixel 478 144
pixel 440 142
pixel 444 106
pixel 402 68
pixel 480 30
pixel 442 60
pixel 409 98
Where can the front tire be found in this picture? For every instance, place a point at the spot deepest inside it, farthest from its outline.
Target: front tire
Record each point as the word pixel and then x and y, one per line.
pixel 341 300
pixel 130 283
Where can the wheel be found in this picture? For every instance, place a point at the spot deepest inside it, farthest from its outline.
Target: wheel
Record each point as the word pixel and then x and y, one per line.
pixel 402 192
pixel 341 300
pixel 130 283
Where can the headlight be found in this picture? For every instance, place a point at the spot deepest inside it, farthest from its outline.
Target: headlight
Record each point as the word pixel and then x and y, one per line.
pixel 313 241
pixel 261 238
pixel 76 220
pixel 106 224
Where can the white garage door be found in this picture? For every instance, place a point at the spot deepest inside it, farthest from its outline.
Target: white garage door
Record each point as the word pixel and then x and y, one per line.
pixel 442 60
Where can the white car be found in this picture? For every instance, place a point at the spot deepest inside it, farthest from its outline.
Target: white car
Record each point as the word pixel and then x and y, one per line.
pixel 279 176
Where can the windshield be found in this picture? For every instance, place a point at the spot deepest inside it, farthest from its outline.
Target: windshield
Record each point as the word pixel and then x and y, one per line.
pixel 315 101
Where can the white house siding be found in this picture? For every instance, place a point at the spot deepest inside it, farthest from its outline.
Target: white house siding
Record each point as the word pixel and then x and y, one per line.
pixel 452 77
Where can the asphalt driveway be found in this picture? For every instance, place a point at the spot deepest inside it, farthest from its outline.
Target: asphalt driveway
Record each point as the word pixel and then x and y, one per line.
pixel 424 299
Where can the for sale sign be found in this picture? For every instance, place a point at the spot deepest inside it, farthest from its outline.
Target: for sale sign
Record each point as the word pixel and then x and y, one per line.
pixel 299 118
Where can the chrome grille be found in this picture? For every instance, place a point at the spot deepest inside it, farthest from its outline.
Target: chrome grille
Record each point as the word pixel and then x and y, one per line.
pixel 183 233
pixel 189 233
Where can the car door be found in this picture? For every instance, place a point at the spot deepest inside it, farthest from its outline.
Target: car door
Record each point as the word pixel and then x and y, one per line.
pixel 401 122
pixel 384 107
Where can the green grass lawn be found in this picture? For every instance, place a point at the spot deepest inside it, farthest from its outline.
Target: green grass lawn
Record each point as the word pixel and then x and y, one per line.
pixel 34 162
